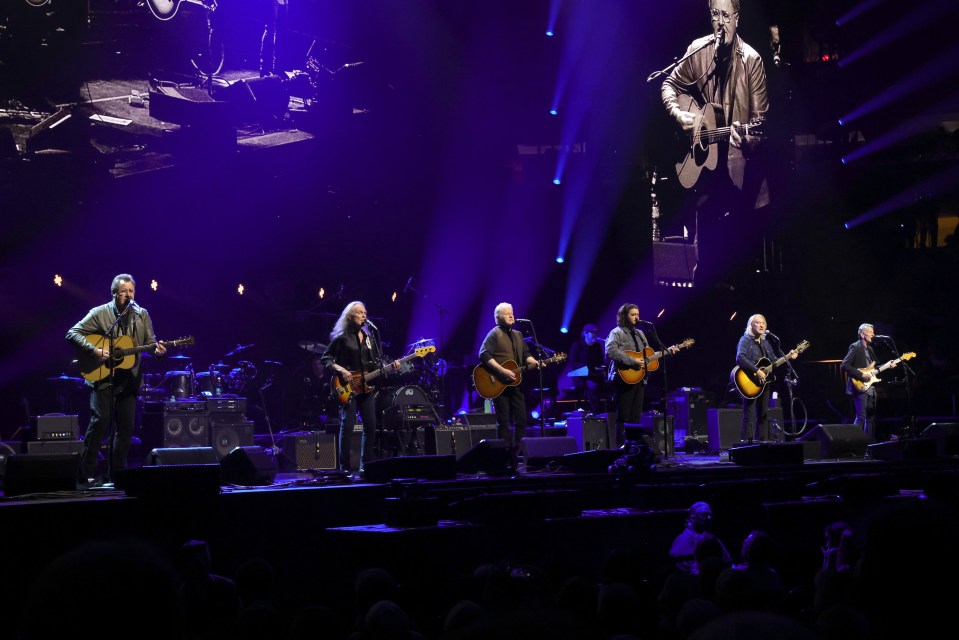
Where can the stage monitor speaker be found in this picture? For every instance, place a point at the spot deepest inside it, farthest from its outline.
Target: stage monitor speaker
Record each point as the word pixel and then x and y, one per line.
pixel 25 474
pixel 421 467
pixel 946 435
pixel 262 99
pixel 656 431
pixel 725 426
pixel 489 456
pixel 837 441
pixel 227 437
pixel 591 433
pixel 248 467
pixel 674 263
pixel 189 106
pixel 181 456
pixel 900 450
pixel 54 426
pixel 68 129
pixel 176 429
pixel 305 451
pixel 591 461
pixel 171 483
pixel 767 454
pixel 539 453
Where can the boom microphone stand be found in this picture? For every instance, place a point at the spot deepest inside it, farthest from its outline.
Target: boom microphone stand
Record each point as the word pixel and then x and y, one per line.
pixel 542 398
pixel 111 366
pixel 667 432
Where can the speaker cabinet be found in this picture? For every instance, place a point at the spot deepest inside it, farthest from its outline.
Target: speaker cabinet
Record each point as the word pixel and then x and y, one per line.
pixel 488 456
pixel 303 451
pixel 725 425
pixel 423 467
pixel 47 447
pixel 171 483
pixel 227 437
pixel 54 427
pixel 837 441
pixel 657 432
pixel 674 263
pixel 176 429
pixel 40 473
pixel 181 456
pixel 248 466
pixel 454 440
pixel 767 454
pixel 477 419
pixel 590 433
pixel 900 450
pixel 946 435
pixel 538 453
pixel 689 407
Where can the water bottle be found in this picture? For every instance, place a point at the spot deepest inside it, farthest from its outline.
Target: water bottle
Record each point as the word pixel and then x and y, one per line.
pixel 488 405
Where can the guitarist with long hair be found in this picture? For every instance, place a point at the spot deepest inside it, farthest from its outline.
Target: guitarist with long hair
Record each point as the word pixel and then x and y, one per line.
pixel 353 351
pixel 92 338
pixel 505 344
pixel 753 349
pixel 720 81
pixel 626 339
pixel 859 366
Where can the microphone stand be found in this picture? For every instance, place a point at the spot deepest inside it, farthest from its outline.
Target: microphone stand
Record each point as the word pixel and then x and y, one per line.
pixel 906 369
pixel 440 309
pixel 542 398
pixel 667 432
pixel 791 380
pixel 112 422
pixel 677 62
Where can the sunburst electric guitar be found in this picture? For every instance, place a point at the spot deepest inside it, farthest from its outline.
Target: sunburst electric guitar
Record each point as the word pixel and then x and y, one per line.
pixel 864 386
pixel 360 382
pixel 748 383
pixel 701 151
pixel 122 355
pixel 650 361
pixel 489 385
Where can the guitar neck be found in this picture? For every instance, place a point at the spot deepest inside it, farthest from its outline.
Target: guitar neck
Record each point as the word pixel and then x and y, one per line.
pixel 393 366
pixel 722 133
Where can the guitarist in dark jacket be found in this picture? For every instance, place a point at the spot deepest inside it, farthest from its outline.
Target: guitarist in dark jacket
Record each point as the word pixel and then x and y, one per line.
pixel 726 76
pixel 501 344
pixel 860 356
pixel 119 390
pixel 752 348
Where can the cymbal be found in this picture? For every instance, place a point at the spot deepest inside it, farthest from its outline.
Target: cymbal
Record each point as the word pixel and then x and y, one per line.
pixel 312 346
pixel 179 356
pixel 65 378
pixel 238 349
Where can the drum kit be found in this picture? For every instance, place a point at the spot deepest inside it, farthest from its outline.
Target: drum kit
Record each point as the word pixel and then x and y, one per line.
pixel 186 381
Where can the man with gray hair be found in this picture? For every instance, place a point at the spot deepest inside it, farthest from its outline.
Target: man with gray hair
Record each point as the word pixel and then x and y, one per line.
pixel 859 367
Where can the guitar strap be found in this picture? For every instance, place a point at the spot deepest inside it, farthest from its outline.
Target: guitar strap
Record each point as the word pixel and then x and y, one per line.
pixel 636 341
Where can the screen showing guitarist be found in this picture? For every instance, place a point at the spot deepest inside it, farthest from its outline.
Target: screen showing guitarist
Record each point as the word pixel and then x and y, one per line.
pixel 859 365
pixel 713 94
pixel 626 351
pixel 92 338
pixel 753 351
pixel 354 351
pixel 505 345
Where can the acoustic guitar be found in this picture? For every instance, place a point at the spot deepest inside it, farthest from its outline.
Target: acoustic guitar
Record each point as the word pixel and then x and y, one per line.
pixel 863 387
pixel 650 360
pixel 122 355
pixel 701 151
pixel 166 9
pixel 361 381
pixel 490 386
pixel 748 383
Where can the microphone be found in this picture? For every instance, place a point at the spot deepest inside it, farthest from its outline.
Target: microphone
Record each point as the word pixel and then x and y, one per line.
pixel 370 322
pixel 882 338
pixel 770 334
pixel 409 283
pixel 720 36
pixel 645 322
pixel 523 320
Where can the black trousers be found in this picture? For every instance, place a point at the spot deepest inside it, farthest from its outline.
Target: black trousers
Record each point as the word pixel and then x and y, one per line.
pixel 365 406
pixel 121 395
pixel 510 407
pixel 755 425
pixel 629 406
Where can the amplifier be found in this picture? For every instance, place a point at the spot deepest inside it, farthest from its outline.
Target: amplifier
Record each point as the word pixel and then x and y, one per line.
pixel 177 406
pixel 226 417
pixel 226 405
pixel 409 415
pixel 54 427
pixel 50 447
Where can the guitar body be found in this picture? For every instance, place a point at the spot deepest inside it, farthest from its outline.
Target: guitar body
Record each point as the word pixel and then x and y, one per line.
pixel 163 9
pixel 863 387
pixel 749 385
pixel 123 355
pixel 700 153
pixel 633 376
pixel 358 384
pixel 489 385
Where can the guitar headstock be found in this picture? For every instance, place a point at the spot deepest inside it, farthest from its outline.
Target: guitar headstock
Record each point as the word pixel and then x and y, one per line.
pixel 909 356
pixel 422 351
pixel 802 346
pixel 179 342
pixel 688 342
pixel 559 357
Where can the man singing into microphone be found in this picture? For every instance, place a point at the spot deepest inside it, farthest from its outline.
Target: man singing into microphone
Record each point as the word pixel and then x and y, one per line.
pixel 92 339
pixel 859 357
pixel 726 77
pixel 624 337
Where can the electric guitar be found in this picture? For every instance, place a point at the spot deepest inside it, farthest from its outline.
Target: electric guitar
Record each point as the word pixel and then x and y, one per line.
pixel 361 381
pixel 701 141
pixel 122 355
pixel 748 383
pixel 650 360
pixel 490 386
pixel 166 9
pixel 863 387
